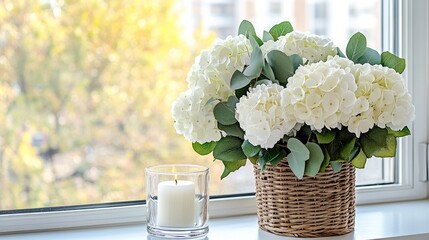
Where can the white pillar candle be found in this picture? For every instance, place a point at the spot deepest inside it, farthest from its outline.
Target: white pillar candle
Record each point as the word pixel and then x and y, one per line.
pixel 176 204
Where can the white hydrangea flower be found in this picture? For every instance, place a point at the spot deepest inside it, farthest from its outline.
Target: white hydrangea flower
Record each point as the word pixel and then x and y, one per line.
pixel 322 94
pixel 213 69
pixel 194 118
pixel 361 123
pixel 310 47
pixel 270 45
pixel 262 117
pixel 208 78
pixel 383 90
pixel 340 93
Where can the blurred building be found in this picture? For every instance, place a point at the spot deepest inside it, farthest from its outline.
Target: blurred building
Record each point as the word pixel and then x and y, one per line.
pixel 338 19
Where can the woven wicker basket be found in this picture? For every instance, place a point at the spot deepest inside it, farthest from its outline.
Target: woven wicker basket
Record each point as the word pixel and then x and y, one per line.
pixel 312 207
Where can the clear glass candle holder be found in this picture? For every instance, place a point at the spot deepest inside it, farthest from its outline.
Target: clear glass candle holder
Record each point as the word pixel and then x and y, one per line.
pixel 177 201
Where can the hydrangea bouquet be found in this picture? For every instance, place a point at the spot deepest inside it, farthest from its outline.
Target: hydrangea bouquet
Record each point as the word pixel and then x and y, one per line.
pixel 293 96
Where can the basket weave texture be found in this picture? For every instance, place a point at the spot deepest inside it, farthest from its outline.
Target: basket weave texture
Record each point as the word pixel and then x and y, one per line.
pixel 318 206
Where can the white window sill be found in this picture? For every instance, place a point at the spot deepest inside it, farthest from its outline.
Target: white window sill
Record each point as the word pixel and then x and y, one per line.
pixel 404 220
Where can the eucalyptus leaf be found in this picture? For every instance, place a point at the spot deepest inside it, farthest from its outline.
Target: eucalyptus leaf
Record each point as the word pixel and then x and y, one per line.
pixel 340 53
pixel 370 56
pixel 229 149
pixel 232 167
pixel 392 61
pixel 224 112
pixel 239 80
pixel 299 153
pixel 373 140
pixel 268 72
pixel 246 28
pixel 258 40
pixel 266 36
pixel 281 29
pixel 250 150
pixel 313 164
pixel 296 61
pixel 253 42
pixel 356 46
pixel 205 148
pixel 360 160
pixel 256 64
pixel 212 99
pixel 232 130
pixel 281 64
pixel 336 166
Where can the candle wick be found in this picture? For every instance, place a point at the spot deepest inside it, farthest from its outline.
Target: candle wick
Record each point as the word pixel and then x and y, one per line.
pixel 175 181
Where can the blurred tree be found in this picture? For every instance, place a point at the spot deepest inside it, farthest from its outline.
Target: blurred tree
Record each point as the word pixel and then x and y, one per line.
pixel 86 88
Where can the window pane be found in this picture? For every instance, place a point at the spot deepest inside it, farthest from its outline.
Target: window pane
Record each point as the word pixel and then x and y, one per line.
pixel 86 89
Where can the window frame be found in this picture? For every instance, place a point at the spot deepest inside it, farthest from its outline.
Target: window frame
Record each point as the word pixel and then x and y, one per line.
pixel 412 38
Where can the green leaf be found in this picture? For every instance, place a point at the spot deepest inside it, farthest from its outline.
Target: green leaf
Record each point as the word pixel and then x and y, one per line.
pixel 281 29
pixel 254 159
pixel 326 160
pixel 242 91
pixel 267 36
pixel 232 130
pixel 246 28
pixel 229 149
pixel 286 138
pixel 325 137
pixel 224 112
pixel 360 160
pixel 250 150
pixel 299 153
pixel 274 155
pixel 373 140
pixel 370 56
pixel 392 61
pixel 336 166
pixel 258 40
pixel 356 46
pixel 205 148
pixel 232 167
pixel 340 53
pixel 389 150
pixel 346 151
pixel 281 64
pixel 268 72
pixel 345 136
pixel 262 163
pixel 313 164
pixel 256 64
pixel 296 61
pixel 239 80
pixel 401 133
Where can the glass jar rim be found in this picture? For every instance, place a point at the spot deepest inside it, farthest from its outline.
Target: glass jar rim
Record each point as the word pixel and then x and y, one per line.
pixel 200 169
